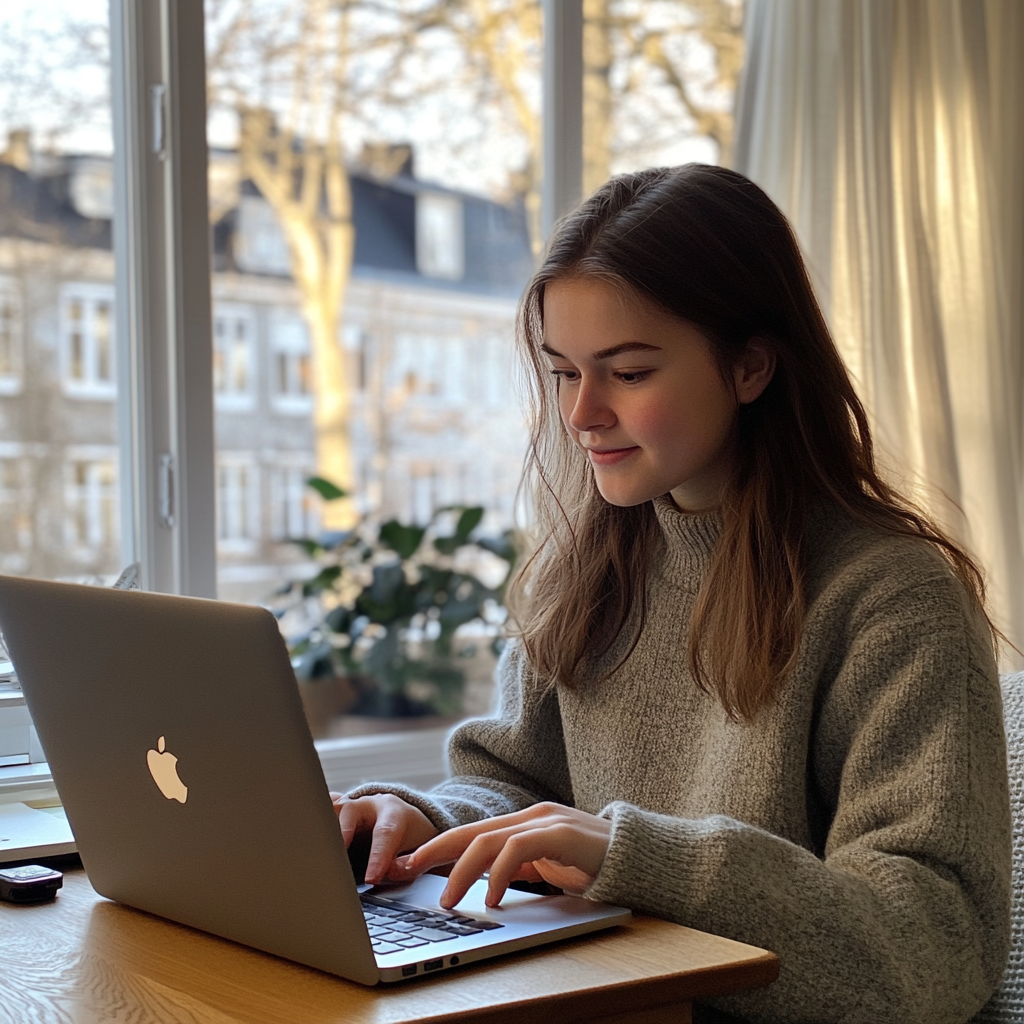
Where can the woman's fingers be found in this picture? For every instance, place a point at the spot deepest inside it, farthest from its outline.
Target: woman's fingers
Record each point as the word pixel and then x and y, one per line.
pixel 353 816
pixel 449 846
pixel 395 826
pixel 559 843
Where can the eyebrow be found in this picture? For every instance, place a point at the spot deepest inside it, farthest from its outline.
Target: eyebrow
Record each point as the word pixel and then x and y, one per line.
pixel 607 353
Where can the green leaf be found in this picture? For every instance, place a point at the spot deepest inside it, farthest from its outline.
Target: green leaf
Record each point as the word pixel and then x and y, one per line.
pixel 501 546
pixel 403 540
pixel 310 546
pixel 468 522
pixel 324 580
pixel 327 490
pixel 446 545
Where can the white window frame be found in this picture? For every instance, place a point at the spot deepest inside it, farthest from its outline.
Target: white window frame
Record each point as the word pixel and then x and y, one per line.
pixel 292 506
pixel 163 324
pixel 162 260
pixel 440 236
pixel 230 398
pixel 90 297
pixel 13 505
pixel 243 505
pixel 99 534
pixel 14 328
pixel 288 337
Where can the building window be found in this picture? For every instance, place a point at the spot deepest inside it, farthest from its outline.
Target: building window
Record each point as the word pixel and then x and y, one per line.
pixel 238 510
pixel 293 507
pixel 87 342
pixel 234 343
pixel 291 365
pixel 90 506
pixel 10 340
pixel 440 251
pixel 356 344
pixel 15 516
pixel 260 244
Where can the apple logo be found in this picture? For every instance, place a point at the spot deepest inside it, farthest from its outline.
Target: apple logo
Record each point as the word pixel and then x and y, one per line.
pixel 163 766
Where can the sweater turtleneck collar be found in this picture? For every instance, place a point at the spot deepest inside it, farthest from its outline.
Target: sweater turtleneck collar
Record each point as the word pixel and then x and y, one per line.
pixel 690 538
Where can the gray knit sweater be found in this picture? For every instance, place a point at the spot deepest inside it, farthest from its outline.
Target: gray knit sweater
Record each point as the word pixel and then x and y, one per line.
pixel 859 828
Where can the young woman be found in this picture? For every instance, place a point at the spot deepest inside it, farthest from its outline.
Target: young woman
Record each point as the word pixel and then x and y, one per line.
pixel 752 689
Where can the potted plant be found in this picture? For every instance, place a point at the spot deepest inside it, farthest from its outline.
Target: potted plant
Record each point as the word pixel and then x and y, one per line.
pixel 387 602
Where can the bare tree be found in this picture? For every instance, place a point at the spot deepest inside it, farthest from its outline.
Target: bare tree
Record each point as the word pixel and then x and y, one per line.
pixel 690 52
pixel 290 148
pixel 706 97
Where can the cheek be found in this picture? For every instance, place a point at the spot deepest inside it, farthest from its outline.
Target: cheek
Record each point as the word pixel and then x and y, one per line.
pixel 692 420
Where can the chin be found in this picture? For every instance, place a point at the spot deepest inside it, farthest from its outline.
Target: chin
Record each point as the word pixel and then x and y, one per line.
pixel 626 498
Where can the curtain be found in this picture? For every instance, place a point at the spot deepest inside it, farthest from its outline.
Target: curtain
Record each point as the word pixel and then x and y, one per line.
pixel 892 136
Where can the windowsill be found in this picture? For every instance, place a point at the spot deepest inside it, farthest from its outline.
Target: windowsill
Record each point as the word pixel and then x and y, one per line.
pixel 415 758
pixel 94 392
pixel 237 402
pixel 292 405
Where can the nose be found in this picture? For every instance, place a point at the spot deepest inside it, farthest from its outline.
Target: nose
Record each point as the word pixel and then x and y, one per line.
pixel 590 410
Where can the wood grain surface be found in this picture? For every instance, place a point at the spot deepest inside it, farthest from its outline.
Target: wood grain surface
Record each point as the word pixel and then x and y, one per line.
pixel 85 960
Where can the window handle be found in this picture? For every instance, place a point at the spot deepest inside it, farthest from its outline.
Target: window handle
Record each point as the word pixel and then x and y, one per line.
pixel 156 97
pixel 167 490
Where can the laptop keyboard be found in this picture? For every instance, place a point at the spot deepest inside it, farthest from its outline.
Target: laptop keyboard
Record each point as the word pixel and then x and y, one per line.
pixel 394 926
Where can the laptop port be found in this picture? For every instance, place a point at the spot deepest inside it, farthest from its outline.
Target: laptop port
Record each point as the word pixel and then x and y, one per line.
pixel 454 960
pixel 434 965
pixel 408 972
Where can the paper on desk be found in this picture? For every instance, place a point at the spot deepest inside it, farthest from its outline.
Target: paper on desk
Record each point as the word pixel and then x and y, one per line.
pixel 26 833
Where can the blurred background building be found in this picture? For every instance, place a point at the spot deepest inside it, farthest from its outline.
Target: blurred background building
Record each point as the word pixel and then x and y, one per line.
pixel 426 334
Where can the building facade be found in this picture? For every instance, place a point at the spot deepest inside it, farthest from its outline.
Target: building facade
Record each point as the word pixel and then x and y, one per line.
pixel 427 331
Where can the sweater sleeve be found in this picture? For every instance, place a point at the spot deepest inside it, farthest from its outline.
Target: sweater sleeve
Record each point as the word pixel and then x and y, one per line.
pixel 500 764
pixel 905 915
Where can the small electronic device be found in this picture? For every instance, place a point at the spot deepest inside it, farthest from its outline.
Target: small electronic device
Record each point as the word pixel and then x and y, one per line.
pixel 29 883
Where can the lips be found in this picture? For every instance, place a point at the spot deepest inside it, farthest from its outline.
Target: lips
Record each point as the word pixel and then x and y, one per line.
pixel 610 456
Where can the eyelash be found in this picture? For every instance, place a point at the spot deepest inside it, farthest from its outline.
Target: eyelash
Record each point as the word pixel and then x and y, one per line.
pixel 635 376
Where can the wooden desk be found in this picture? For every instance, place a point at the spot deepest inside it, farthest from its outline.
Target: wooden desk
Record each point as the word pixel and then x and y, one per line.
pixel 86 960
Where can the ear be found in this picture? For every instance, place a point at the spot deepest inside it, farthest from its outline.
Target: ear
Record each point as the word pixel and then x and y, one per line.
pixel 753 370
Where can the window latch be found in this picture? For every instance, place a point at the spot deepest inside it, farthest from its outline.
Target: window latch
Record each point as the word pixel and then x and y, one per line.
pixel 167 490
pixel 156 98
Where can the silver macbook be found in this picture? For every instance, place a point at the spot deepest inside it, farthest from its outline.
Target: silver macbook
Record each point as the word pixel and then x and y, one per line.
pixel 177 741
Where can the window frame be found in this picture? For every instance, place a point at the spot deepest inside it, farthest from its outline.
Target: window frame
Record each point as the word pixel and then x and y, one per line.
pixel 282 344
pixel 163 295
pixel 11 383
pixel 90 295
pixel 163 351
pixel 229 398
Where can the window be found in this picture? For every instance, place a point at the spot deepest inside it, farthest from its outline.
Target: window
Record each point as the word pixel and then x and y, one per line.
pixel 90 503
pixel 10 339
pixel 15 512
pixel 293 509
pixel 439 236
pixel 238 504
pixel 87 341
pixel 292 390
pixel 234 342
pixel 260 245
pixel 356 344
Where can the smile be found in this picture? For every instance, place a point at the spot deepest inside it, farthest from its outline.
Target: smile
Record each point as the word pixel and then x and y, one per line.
pixel 609 456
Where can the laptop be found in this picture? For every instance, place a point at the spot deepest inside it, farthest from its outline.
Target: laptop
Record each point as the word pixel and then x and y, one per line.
pixel 177 741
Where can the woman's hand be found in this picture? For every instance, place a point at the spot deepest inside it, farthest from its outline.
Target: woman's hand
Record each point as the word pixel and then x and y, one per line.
pixel 547 841
pixel 396 826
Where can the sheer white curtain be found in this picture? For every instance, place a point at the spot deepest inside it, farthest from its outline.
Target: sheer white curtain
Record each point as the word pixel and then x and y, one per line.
pixel 892 135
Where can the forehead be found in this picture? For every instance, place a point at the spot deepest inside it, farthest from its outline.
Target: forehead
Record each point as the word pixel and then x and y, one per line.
pixel 582 315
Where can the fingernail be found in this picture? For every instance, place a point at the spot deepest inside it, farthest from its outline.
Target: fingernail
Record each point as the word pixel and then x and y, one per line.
pixel 446 900
pixel 402 863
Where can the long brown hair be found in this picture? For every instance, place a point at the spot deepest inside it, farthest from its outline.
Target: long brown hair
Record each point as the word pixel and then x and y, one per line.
pixel 708 246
